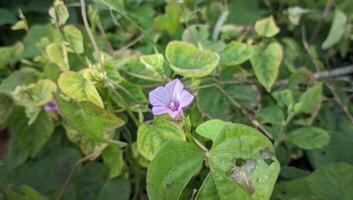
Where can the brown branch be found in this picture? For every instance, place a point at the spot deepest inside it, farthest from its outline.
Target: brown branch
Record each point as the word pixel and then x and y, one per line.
pixel 324 14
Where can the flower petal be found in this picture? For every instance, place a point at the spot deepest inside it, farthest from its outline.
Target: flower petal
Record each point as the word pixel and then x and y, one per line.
pixel 175 88
pixel 176 114
pixel 158 110
pixel 185 98
pixel 159 97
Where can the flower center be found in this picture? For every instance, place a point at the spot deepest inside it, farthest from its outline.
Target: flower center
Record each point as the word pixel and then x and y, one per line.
pixel 174 106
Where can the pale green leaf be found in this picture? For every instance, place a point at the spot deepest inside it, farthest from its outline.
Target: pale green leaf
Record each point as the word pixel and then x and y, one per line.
pixel 235 53
pixel 266 27
pixel 185 59
pixel 74 36
pixel 113 158
pixel 309 137
pixel 154 62
pixel 337 29
pixel 58 55
pixel 211 128
pixel 266 62
pixel 309 99
pixel 75 86
pixel 150 137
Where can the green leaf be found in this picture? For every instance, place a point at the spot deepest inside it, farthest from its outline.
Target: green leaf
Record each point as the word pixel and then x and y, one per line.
pixel 211 128
pixel 117 5
pixel 185 59
pixel 208 190
pixel 6 107
pixel 88 119
pixel 309 137
pixel 31 193
pixel 21 77
pixel 309 99
pixel 35 94
pixel 242 163
pixel 271 114
pixel 151 137
pixel 11 54
pixel 171 170
pixel 74 36
pixel 266 63
pixel 27 140
pixel 58 13
pixel 266 27
pixel 75 86
pixel 113 158
pixel 169 22
pixel 6 17
pixel 137 69
pixel 57 54
pixel 154 62
pixel 337 29
pixel 115 189
pixel 235 53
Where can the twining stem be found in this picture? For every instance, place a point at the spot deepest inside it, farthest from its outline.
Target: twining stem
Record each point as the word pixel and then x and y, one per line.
pixel 318 65
pixel 89 32
pixel 128 110
pixel 73 171
pixel 247 114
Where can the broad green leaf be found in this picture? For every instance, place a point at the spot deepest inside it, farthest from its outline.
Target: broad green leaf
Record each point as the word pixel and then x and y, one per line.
pixel 6 17
pixel 88 119
pixel 113 159
pixel 57 54
pixel 35 94
pixel 208 190
pixel 284 98
pixel 170 21
pixel 266 62
pixel 235 53
pixel 150 137
pixel 309 99
pixel 27 140
pixel 21 77
pixel 271 114
pixel 332 182
pixel 58 13
pixel 245 95
pixel 242 163
pixel 185 59
pixel 6 107
pixel 87 145
pixel 11 54
pixel 154 62
pixel 115 189
pixel 31 193
pixel 266 27
pixel 211 128
pixel 337 29
pixel 45 174
pixel 74 36
pixel 171 170
pixel 137 69
pixel 309 137
pixel 75 86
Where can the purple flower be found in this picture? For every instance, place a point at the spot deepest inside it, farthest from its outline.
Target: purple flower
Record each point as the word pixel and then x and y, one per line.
pixel 170 99
pixel 51 106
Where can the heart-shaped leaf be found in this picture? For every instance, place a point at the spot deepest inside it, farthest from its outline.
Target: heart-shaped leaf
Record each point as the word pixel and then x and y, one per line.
pixel 235 53
pixel 309 137
pixel 266 27
pixel 266 63
pixel 171 169
pixel 185 59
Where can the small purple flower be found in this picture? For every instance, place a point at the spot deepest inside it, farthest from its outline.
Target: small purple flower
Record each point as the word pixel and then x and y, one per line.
pixel 170 99
pixel 51 106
